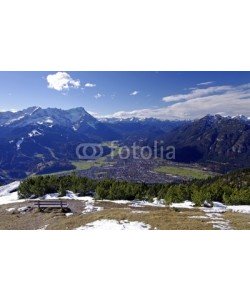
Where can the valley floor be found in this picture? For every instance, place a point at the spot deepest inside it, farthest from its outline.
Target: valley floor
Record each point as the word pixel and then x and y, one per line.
pixel 87 214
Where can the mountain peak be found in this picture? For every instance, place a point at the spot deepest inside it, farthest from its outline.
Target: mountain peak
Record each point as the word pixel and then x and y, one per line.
pixel 218 117
pixel 45 116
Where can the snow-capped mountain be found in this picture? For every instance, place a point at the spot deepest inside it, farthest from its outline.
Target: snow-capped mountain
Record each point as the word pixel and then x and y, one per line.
pixel 48 117
pixel 35 121
pixel 36 140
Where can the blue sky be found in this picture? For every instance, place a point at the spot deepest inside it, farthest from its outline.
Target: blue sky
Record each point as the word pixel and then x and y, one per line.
pixel 166 95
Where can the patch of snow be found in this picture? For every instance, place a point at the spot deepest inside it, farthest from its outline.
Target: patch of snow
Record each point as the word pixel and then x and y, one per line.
pixel 35 109
pixel 49 120
pixel 14 120
pixel 10 209
pixel 138 203
pixel 198 217
pixel 11 198
pixel 34 133
pixel 215 215
pixel 23 209
pixel 7 195
pixel 158 202
pixel 9 188
pixel 51 196
pixel 143 203
pixel 222 225
pixel 44 227
pixel 121 201
pixel 214 209
pixel 219 204
pixel 217 208
pixel 185 204
pixel 86 198
pixel 68 214
pixel 70 195
pixel 19 143
pixel 118 201
pixel 90 208
pixel 245 209
pixel 139 212
pixel 114 225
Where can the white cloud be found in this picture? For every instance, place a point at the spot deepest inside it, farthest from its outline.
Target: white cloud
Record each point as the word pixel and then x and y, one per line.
pixel 61 81
pixel 97 96
pixel 197 93
pixel 96 115
pixel 205 83
pixel 9 110
pixel 225 100
pixel 90 85
pixel 134 93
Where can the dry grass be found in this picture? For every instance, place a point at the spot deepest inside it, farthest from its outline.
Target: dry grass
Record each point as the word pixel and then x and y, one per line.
pixel 28 221
pixel 162 218
pixel 238 221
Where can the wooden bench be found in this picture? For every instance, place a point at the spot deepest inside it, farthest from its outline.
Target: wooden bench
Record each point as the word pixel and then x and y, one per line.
pixel 42 204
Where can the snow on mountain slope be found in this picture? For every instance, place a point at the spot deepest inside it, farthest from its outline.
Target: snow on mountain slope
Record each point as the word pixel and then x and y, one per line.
pixel 19 143
pixel 46 117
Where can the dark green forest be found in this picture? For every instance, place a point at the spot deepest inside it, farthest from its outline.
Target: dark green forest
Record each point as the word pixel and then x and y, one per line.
pixel 232 188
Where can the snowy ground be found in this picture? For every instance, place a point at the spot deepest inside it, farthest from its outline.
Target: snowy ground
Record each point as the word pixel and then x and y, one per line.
pixel 114 225
pixel 139 203
pixel 143 203
pixel 240 208
pixel 215 214
pixel 8 193
pixel 185 204
pixel 9 188
pixel 90 208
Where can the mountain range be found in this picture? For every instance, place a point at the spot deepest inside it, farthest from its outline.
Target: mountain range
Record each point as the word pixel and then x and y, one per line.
pixel 37 139
pixel 222 143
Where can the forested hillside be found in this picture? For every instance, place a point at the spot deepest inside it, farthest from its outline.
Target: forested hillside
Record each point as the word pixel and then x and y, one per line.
pixel 232 188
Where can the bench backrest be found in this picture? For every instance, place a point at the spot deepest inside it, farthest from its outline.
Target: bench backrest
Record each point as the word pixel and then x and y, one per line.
pixel 49 203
